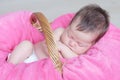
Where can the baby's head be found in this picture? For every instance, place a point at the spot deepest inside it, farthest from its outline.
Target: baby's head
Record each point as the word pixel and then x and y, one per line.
pixel 88 25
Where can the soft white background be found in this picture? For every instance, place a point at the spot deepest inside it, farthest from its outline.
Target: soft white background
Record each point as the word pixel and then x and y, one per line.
pixel 55 8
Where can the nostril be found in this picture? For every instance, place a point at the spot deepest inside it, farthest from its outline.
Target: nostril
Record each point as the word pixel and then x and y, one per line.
pixel 72 44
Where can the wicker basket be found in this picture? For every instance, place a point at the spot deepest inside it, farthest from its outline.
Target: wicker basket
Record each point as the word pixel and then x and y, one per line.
pixel 49 37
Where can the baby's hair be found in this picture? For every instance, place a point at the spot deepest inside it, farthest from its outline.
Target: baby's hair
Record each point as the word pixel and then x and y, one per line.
pixel 92 18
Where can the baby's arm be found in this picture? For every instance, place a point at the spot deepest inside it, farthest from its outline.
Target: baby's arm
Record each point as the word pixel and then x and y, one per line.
pixel 65 51
pixel 40 49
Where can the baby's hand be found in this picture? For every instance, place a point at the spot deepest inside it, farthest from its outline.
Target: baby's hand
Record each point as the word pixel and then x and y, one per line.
pixel 65 51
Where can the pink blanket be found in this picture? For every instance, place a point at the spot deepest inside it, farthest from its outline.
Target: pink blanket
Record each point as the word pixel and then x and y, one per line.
pixel 101 62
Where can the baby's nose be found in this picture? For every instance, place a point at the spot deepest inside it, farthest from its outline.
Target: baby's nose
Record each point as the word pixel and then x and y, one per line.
pixel 72 43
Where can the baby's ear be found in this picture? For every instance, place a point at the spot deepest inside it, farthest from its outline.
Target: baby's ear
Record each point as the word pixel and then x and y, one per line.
pixel 35 22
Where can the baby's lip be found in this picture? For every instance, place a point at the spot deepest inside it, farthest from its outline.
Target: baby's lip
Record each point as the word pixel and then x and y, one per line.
pixel 69 47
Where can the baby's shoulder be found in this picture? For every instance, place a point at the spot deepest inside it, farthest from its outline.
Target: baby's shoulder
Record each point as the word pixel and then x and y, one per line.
pixel 58 32
pixel 60 29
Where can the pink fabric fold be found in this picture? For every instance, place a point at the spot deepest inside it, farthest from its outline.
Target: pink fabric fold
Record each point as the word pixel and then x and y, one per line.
pixel 101 62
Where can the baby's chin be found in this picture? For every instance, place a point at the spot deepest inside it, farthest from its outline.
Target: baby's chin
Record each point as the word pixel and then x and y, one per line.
pixel 78 53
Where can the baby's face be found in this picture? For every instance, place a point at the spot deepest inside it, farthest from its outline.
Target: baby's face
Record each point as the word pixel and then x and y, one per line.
pixel 78 41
